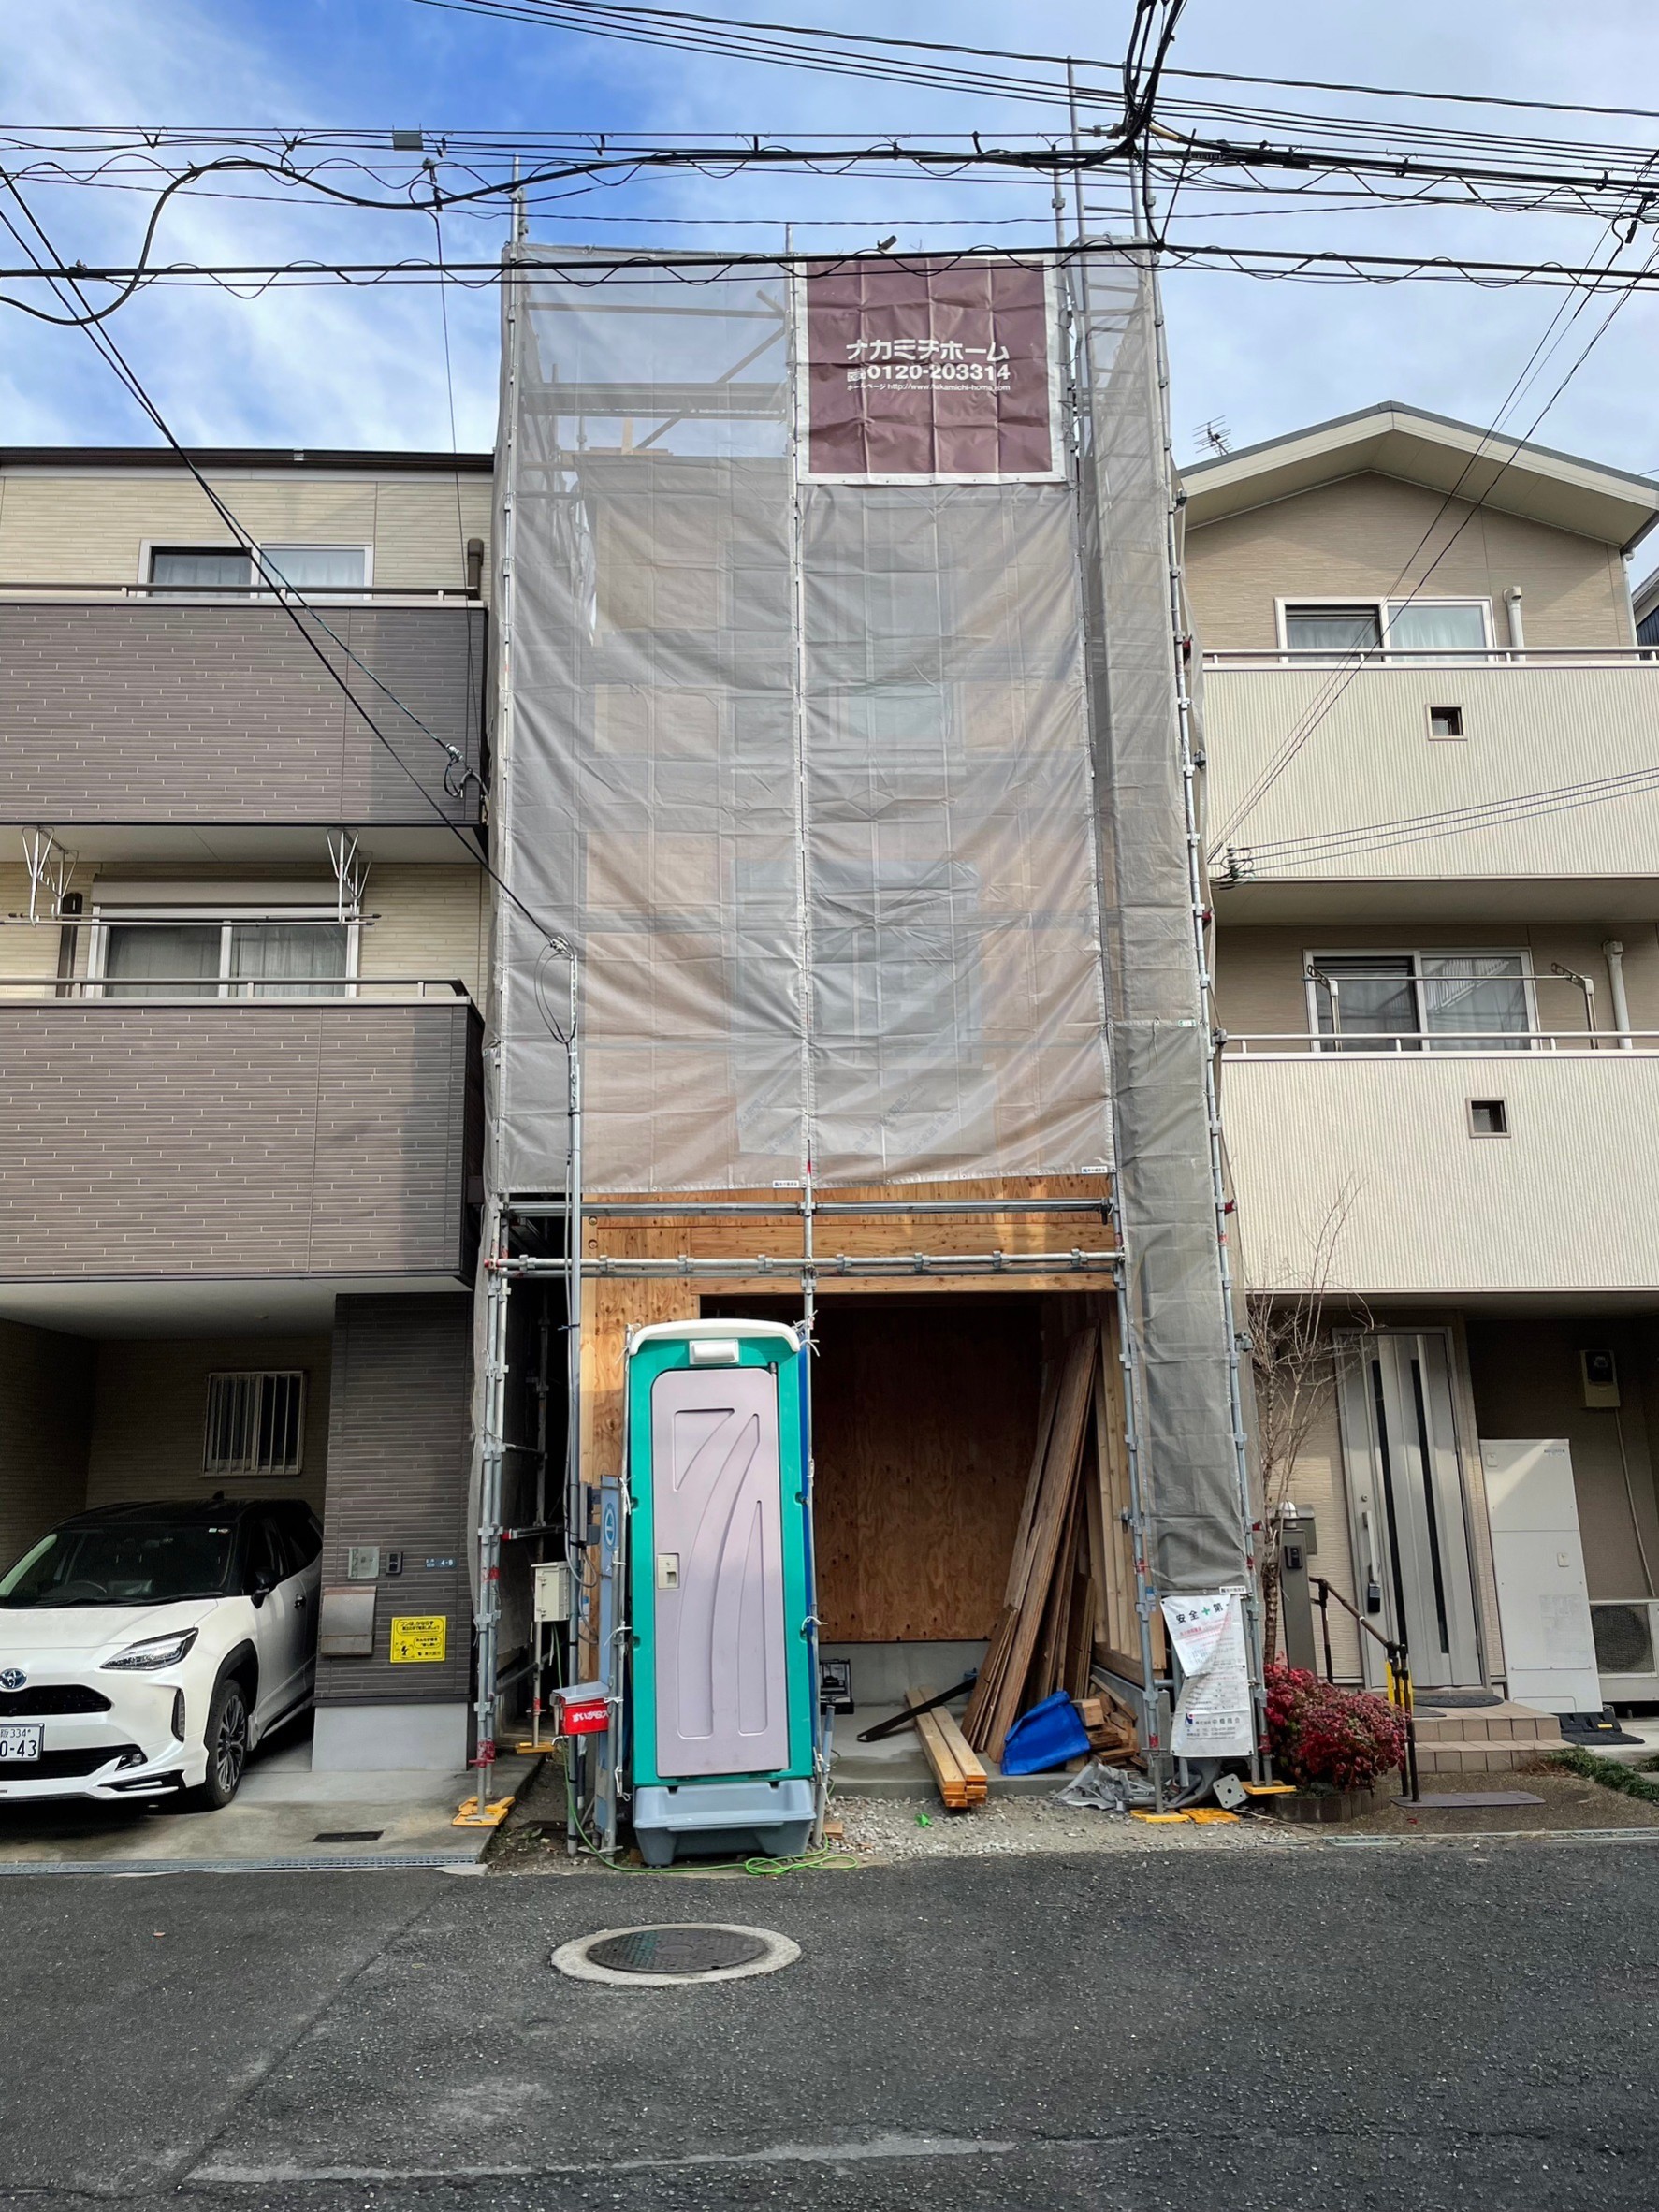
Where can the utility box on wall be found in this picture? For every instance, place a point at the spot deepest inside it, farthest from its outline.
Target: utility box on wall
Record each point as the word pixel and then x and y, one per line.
pixel 720 1718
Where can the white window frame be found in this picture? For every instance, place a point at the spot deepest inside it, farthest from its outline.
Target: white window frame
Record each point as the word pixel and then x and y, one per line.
pixel 1381 602
pixel 148 548
pixel 223 914
pixel 1416 955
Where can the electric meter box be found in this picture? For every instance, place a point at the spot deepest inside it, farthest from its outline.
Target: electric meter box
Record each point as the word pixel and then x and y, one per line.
pixel 721 1714
pixel 552 1590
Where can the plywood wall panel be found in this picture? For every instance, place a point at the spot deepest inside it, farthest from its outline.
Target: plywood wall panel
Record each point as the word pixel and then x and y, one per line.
pixel 923 1423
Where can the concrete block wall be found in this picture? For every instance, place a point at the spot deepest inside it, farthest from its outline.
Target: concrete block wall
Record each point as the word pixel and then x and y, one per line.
pixel 46 1418
pixel 400 1457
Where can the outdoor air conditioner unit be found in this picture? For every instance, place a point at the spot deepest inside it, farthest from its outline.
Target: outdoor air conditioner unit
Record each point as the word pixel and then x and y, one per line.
pixel 1627 1632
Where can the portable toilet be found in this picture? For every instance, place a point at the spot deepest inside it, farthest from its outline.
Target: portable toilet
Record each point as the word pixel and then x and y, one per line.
pixel 722 1710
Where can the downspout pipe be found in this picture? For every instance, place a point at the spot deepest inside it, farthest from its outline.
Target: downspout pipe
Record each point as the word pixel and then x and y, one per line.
pixel 1512 608
pixel 1613 952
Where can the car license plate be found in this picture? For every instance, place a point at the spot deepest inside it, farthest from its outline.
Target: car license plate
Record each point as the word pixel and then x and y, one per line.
pixel 18 1740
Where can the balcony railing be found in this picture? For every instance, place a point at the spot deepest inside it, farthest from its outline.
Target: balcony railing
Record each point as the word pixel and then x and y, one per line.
pixel 1432 657
pixel 226 990
pixel 323 595
pixel 1440 1044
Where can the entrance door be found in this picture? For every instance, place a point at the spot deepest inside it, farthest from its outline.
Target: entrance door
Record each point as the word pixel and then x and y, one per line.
pixel 1411 1546
pixel 716 1517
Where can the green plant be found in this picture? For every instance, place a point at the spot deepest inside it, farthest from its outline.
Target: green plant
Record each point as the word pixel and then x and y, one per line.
pixel 1611 1773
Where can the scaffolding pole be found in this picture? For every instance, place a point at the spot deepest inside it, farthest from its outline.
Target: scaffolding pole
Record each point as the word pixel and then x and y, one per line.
pixel 1181 658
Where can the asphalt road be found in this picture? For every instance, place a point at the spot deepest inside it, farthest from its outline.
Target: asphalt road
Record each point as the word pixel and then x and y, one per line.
pixel 1397 2029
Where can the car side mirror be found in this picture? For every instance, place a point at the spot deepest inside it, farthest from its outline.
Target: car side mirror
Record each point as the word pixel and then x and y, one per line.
pixel 260 1589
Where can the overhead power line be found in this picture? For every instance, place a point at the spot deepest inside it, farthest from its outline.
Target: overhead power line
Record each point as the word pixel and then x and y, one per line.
pixel 300 611
pixel 685 265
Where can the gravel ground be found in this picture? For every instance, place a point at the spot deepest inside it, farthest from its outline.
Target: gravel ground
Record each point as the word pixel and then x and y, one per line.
pixel 883 1830
pixel 888 1829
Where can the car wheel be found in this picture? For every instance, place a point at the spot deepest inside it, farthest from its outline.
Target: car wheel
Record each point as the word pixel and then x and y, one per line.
pixel 227 1740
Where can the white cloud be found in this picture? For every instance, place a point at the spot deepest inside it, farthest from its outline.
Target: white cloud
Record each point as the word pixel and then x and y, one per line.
pixel 321 367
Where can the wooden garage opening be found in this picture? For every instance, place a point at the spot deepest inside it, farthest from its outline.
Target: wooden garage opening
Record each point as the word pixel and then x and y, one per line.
pixel 934 1401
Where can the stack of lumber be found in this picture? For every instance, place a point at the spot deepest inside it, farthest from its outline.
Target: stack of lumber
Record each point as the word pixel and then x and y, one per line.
pixel 962 1780
pixel 1055 1599
pixel 1111 1729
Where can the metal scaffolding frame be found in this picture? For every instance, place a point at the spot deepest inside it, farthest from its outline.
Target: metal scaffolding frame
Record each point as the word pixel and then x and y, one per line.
pixel 1146 1426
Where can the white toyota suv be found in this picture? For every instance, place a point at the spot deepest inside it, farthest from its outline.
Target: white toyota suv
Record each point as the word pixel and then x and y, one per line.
pixel 145 1650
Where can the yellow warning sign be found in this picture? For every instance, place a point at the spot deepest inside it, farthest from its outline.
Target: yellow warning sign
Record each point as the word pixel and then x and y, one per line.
pixel 418 1638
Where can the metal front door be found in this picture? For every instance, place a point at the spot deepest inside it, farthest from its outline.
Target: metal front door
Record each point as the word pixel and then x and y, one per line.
pixel 717 1573
pixel 1411 1545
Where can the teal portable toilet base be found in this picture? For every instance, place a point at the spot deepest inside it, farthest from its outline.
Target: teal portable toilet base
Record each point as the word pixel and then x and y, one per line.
pixel 772 1819
pixel 721 1719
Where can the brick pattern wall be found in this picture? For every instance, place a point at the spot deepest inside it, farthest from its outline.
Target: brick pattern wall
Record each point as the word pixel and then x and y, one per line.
pixel 400 1429
pixel 270 1138
pixel 150 1416
pixel 46 1410
pixel 144 712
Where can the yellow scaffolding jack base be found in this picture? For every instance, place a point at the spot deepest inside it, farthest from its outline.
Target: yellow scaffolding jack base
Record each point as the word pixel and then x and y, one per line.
pixel 473 1813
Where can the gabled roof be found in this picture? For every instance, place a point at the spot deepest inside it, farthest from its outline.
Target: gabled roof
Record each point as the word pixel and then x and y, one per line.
pixel 1394 440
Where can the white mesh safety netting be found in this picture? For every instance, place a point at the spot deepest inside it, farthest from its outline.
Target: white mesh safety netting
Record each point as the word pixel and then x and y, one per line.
pixel 860 800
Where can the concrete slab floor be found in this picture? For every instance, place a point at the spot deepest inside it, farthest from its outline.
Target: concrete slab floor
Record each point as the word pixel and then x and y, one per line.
pixel 395 1817
pixel 896 1767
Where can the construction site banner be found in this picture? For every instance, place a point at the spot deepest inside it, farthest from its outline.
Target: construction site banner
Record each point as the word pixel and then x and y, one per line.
pixel 947 370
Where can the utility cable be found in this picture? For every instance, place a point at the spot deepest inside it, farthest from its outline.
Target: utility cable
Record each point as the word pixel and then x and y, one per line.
pixel 293 603
pixel 1333 689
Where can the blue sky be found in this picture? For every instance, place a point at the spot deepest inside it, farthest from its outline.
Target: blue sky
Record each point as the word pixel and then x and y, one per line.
pixel 325 368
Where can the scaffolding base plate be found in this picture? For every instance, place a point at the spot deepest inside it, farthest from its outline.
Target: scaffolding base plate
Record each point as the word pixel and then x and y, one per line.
pixel 472 1814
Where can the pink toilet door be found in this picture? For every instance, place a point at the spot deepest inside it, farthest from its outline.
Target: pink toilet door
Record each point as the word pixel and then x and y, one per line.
pixel 717 1573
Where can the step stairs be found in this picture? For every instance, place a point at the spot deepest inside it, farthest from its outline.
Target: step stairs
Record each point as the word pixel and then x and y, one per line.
pixel 1482 1739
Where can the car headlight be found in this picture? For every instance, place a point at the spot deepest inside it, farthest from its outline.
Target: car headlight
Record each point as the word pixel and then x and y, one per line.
pixel 155 1650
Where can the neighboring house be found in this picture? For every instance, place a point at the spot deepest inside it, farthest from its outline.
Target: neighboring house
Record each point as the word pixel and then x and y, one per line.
pixel 240 1121
pixel 1434 820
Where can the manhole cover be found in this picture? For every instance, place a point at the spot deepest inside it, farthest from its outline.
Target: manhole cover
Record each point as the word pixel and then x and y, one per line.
pixel 683 1951
pixel 677 1950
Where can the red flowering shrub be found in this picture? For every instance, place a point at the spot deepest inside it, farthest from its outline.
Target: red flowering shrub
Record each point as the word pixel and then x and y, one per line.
pixel 1323 1738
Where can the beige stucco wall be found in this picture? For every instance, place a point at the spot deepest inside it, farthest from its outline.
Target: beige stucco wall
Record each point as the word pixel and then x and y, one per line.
pixel 1262 988
pixel 1361 534
pixel 429 922
pixel 151 1402
pixel 81 527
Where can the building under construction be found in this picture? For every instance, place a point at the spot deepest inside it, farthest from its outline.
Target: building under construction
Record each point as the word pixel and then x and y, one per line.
pixel 849 969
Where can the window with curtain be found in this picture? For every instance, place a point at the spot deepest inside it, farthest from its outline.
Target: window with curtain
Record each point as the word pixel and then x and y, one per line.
pixel 1436 626
pixel 1420 1002
pixel 1384 625
pixel 253 959
pixel 1333 629
pixel 319 568
pixel 162 960
pixel 201 568
pixel 224 568
pixel 288 959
